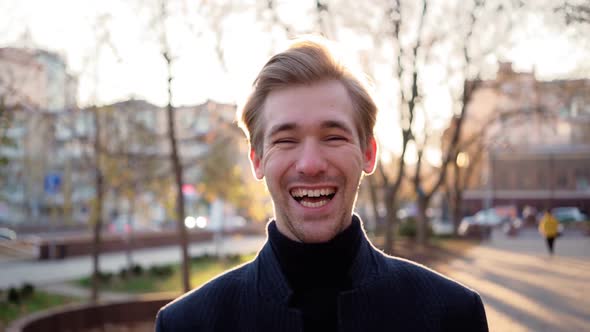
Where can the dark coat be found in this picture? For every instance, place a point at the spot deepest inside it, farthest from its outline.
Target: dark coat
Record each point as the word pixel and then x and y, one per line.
pixel 388 294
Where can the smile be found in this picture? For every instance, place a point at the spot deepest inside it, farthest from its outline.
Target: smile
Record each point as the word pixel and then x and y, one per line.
pixel 313 198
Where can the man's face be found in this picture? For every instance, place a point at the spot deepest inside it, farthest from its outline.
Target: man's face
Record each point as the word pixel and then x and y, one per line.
pixel 312 159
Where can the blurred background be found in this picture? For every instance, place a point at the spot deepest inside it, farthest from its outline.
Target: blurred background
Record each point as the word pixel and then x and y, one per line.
pixel 118 131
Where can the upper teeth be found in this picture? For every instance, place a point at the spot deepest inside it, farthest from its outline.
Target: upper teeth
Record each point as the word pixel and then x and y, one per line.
pixel 300 192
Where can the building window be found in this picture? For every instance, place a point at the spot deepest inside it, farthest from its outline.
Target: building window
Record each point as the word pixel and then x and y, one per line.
pixel 582 179
pixel 582 183
pixel 541 180
pixel 562 181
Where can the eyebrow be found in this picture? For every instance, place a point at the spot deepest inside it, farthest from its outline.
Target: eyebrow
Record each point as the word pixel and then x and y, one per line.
pixel 328 124
pixel 334 124
pixel 281 127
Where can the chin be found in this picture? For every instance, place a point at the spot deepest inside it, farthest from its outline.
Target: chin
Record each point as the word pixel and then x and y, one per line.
pixel 314 233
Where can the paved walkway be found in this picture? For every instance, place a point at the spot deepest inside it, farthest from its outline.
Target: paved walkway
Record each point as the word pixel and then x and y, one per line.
pixel 70 290
pixel 523 288
pixel 41 273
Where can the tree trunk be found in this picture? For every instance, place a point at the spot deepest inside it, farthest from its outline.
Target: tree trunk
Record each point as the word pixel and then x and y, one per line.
pixel 372 187
pixel 422 221
pixel 390 221
pixel 97 215
pixel 178 177
pixel 130 228
pixel 457 211
pixel 455 198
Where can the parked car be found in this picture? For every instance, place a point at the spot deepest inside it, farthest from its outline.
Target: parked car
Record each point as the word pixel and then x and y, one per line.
pixel 480 225
pixel 472 228
pixel 491 217
pixel 441 226
pixel 7 234
pixel 512 227
pixel 568 214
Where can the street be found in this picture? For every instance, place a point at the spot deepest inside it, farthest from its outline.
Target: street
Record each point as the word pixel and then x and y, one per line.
pixel 523 288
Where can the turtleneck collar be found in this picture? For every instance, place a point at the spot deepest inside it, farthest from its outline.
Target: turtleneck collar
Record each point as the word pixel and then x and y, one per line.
pixel 316 265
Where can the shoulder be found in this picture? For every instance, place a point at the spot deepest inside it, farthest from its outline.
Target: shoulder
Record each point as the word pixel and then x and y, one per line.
pixel 456 305
pixel 199 306
pixel 421 278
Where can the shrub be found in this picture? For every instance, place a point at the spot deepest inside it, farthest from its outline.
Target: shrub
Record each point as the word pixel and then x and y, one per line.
pixel 105 277
pixel 234 258
pixel 13 296
pixel 27 290
pixel 161 271
pixel 202 258
pixel 123 273
pixel 137 270
pixel 407 228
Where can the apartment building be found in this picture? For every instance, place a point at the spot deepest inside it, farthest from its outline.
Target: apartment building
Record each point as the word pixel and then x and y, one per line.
pixel 534 141
pixel 35 89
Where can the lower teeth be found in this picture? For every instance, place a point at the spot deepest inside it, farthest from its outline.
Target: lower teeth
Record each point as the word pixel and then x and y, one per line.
pixel 314 205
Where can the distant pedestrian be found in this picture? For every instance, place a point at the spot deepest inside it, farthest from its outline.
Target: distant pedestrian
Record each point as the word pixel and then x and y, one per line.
pixel 549 228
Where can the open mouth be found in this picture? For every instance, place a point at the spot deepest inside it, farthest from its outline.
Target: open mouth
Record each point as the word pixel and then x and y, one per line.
pixel 313 198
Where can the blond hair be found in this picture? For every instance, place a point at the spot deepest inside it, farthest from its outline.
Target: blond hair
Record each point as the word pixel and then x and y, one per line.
pixel 305 62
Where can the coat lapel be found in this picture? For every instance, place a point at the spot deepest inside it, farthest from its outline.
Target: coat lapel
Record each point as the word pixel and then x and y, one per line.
pixel 274 293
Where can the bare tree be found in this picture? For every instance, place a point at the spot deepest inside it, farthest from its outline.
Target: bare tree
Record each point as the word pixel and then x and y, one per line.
pixel 96 214
pixel 408 98
pixel 161 20
pixel 575 12
pixel 5 140
pixel 468 33
pixel 103 38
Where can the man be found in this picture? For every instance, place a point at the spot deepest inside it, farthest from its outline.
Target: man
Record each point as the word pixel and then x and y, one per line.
pixel 310 125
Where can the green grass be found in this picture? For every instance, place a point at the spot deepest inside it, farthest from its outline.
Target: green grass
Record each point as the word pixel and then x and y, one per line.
pixel 202 269
pixel 39 300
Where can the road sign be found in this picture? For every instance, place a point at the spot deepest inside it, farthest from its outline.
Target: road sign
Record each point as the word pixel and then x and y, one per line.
pixel 52 183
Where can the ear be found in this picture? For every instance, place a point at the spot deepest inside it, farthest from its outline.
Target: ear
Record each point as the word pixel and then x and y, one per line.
pixel 256 164
pixel 370 156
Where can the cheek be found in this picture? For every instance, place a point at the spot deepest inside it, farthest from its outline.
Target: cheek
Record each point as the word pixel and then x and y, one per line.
pixel 274 164
pixel 348 158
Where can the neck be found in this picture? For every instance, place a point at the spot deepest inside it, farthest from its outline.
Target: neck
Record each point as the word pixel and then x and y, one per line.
pixel 313 264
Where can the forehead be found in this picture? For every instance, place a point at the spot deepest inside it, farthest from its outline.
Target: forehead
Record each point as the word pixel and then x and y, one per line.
pixel 309 107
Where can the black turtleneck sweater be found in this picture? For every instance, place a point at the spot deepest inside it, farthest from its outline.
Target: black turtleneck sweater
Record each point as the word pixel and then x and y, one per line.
pixel 317 272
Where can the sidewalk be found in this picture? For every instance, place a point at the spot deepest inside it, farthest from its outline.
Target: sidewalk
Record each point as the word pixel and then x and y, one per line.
pixel 523 288
pixel 41 273
pixel 70 290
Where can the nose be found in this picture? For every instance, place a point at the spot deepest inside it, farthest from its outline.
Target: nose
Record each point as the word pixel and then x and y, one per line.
pixel 311 160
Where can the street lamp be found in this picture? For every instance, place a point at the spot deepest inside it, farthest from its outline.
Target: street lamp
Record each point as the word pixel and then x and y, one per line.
pixel 462 160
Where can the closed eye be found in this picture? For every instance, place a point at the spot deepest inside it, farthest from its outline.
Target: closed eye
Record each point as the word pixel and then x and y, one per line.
pixel 336 138
pixel 284 141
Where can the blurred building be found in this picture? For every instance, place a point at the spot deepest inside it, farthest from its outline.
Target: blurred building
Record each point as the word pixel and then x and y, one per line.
pixel 50 174
pixel 35 89
pixel 36 79
pixel 135 159
pixel 528 142
pixel 137 131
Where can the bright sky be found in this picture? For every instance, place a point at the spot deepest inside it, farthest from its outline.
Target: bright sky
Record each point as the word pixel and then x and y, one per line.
pixel 137 70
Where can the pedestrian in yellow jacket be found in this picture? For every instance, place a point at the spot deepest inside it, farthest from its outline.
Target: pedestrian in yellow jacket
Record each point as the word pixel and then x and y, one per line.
pixel 549 228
